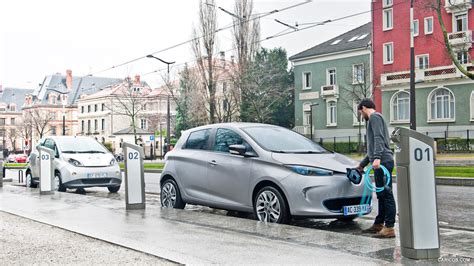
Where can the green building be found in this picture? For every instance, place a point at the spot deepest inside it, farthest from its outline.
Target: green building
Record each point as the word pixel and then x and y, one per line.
pixel 330 79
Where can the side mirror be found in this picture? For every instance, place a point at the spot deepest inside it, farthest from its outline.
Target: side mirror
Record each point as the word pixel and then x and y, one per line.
pixel 237 150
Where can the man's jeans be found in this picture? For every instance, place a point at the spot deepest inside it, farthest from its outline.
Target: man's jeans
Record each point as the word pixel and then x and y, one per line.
pixel 387 207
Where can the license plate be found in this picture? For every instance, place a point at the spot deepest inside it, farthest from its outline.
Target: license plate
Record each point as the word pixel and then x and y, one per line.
pixel 96 175
pixel 357 209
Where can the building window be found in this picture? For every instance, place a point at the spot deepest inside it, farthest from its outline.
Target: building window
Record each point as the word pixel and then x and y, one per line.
pixel 423 61
pixel 356 117
pixel 89 126
pixel 306 114
pixel 387 3
pixel 82 109
pixel 416 27
pixel 400 107
pixel 2 121
pixel 12 121
pixel 460 23
pixel 472 106
pixel 429 25
pixel 463 57
pixel 53 131
pixel 143 124
pixel 441 104
pixel 103 125
pixel 306 80
pixel 95 125
pixel 358 74
pixel 331 76
pixel 388 19
pixel 331 113
pixel 103 107
pixel 83 126
pixel 88 108
pixel 95 108
pixel 388 53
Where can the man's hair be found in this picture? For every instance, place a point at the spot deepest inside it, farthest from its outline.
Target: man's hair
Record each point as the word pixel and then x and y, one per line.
pixel 368 103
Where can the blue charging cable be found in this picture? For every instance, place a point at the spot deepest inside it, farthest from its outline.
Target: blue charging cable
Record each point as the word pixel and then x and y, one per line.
pixel 369 188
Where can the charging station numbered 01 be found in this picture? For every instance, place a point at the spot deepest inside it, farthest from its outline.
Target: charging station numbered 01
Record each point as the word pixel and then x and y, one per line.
pixel 46 157
pixel 134 177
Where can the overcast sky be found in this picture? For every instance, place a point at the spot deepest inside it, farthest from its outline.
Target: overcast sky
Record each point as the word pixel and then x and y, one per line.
pixel 38 38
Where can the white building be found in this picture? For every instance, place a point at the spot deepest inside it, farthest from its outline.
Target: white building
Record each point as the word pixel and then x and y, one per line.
pixel 107 115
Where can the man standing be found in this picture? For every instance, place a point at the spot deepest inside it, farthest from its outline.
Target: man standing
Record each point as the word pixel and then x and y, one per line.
pixel 379 153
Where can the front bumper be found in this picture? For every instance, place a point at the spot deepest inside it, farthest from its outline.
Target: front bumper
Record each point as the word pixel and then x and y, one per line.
pixel 322 196
pixel 79 177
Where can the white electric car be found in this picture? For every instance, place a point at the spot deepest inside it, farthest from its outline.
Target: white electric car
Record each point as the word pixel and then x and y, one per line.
pixel 79 162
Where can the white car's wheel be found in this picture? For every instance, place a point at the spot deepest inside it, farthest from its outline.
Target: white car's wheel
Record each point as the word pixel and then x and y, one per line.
pixel 29 180
pixel 58 184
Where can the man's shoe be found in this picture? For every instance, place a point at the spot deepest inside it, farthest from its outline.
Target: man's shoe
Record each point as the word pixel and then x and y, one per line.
pixel 375 228
pixel 386 232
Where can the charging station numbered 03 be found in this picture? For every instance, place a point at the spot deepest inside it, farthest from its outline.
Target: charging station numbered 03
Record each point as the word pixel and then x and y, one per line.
pixel 46 157
pixel 134 177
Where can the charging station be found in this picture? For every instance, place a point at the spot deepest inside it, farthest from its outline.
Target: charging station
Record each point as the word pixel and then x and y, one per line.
pixel 134 177
pixel 417 203
pixel 46 157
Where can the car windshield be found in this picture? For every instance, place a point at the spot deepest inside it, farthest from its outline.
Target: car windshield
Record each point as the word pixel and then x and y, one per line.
pixel 80 145
pixel 282 140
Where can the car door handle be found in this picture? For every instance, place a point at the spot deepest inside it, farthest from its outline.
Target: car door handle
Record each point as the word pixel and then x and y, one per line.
pixel 213 163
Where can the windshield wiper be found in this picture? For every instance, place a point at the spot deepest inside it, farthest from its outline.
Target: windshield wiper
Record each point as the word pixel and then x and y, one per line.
pixel 90 152
pixel 69 151
pixel 279 151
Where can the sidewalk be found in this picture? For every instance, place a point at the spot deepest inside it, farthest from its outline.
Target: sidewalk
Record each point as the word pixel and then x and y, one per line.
pixel 196 237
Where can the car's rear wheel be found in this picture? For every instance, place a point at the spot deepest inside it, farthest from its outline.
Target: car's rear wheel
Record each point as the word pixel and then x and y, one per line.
pixel 58 183
pixel 29 180
pixel 270 206
pixel 113 189
pixel 170 195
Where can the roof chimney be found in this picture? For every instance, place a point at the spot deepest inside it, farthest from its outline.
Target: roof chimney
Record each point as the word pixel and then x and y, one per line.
pixel 137 80
pixel 69 79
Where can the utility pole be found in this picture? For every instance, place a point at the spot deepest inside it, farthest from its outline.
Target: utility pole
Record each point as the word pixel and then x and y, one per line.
pixel 412 72
pixel 168 115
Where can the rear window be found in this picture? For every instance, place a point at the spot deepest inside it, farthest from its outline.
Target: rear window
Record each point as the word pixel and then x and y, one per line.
pixel 198 140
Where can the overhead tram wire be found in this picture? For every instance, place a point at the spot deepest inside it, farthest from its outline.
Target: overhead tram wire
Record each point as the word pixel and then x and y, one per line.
pixel 286 32
pixel 196 38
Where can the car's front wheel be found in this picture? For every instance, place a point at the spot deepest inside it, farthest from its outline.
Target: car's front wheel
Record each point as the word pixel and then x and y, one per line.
pixel 270 206
pixel 170 195
pixel 29 180
pixel 58 183
pixel 113 189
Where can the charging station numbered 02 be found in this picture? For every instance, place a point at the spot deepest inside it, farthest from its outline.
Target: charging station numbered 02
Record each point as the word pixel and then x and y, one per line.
pixel 46 157
pixel 134 177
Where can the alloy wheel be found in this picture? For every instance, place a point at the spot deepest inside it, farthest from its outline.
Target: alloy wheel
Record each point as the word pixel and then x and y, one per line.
pixel 268 207
pixel 57 182
pixel 168 195
pixel 29 180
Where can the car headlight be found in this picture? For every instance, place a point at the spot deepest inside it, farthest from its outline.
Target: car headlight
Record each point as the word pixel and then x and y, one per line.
pixel 75 162
pixel 112 162
pixel 309 171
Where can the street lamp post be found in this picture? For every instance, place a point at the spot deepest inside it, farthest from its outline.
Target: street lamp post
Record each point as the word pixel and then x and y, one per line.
pixel 168 116
pixel 311 119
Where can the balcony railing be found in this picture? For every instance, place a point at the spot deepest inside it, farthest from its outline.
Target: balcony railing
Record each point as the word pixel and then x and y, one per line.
pixel 424 75
pixel 303 130
pixel 329 90
pixel 462 38
pixel 452 6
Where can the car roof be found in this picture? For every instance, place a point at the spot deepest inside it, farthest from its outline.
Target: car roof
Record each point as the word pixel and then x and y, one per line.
pixel 55 138
pixel 239 125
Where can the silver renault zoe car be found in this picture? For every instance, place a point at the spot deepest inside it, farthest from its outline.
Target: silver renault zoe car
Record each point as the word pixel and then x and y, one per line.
pixel 268 170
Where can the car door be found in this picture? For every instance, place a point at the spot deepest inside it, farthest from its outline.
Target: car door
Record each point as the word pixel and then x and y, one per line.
pixel 191 166
pixel 228 174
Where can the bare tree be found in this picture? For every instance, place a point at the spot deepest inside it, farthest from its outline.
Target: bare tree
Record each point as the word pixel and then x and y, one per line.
pixel 438 6
pixel 130 101
pixel 25 130
pixel 204 49
pixel 40 120
pixel 351 95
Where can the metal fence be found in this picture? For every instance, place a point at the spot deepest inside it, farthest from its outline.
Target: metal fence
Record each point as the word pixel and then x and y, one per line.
pixel 446 142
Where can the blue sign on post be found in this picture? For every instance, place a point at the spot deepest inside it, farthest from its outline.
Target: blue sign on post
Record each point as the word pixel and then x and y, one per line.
pixel 152 137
